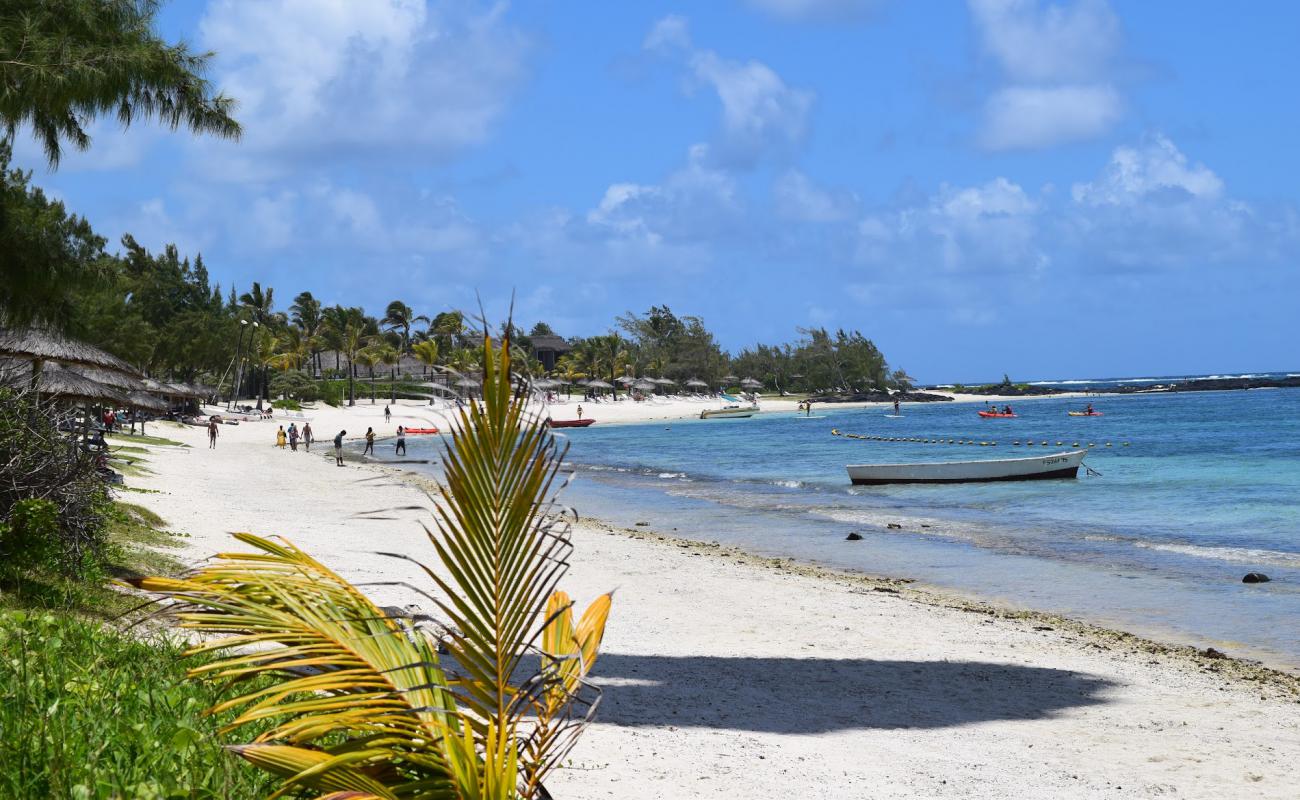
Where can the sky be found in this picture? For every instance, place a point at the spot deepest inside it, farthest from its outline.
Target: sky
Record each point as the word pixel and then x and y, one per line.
pixel 1046 190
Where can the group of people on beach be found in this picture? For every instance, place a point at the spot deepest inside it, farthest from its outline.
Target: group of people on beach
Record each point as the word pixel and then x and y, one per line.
pixel 292 436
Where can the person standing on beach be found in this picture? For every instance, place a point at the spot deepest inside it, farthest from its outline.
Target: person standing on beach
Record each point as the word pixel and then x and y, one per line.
pixel 579 411
pixel 279 438
pixel 400 449
pixel 293 437
pixel 306 437
pixel 370 442
pixel 388 415
pixel 214 428
pixel 338 448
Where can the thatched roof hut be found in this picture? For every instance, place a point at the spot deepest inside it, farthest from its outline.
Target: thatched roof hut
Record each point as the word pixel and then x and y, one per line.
pixel 62 383
pixel 39 344
pixel 146 402
pixel 118 380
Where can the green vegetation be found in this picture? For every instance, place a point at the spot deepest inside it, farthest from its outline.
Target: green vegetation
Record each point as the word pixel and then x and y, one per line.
pixel 64 63
pixel 376 714
pixel 91 713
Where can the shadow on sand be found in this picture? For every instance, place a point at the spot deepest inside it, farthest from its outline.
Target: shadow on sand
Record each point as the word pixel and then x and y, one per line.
pixel 814 695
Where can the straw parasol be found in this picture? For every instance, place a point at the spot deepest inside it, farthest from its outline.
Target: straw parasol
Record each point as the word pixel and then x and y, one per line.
pixel 599 384
pixel 664 381
pixel 110 377
pixel 696 382
pixel 39 344
pixel 64 384
pixel 730 378
pixel 645 386
pixel 146 402
pixel 750 383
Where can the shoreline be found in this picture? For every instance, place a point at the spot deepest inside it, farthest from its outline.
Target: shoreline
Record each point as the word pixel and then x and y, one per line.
pixel 732 674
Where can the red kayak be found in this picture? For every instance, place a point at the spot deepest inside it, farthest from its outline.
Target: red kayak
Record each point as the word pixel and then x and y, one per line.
pixel 569 423
pixel 995 415
pixel 414 431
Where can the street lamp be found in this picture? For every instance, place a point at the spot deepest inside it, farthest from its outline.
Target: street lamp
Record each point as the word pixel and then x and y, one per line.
pixel 239 363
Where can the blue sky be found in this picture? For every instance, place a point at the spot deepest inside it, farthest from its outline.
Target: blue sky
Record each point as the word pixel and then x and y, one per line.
pixel 1043 189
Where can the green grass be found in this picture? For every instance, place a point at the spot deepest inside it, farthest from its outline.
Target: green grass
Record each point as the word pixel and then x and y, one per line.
pixel 140 439
pixel 90 713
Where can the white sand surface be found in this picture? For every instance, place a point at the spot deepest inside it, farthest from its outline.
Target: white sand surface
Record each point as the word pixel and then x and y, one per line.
pixel 737 677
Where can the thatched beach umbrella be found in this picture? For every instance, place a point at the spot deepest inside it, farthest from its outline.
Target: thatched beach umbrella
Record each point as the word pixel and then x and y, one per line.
pixel 146 402
pixel 696 382
pixel 64 384
pixel 38 345
pixel 729 379
pixel 750 383
pixel 109 377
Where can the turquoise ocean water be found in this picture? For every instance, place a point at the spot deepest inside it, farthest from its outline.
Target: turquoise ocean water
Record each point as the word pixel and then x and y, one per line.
pixel 1207 489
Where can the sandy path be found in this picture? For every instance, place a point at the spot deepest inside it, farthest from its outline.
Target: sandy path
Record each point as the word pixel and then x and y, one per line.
pixel 728 676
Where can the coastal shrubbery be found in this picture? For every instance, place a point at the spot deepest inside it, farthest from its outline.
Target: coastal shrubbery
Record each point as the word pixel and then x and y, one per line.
pixel 54 506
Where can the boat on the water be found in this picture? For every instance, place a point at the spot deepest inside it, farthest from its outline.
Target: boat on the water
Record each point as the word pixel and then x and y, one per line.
pixel 569 423
pixel 1084 413
pixel 1057 465
pixel 729 412
pixel 995 415
pixel 732 410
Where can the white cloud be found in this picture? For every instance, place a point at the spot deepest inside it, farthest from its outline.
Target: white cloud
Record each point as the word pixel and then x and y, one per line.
pixel 1134 174
pixel 671 32
pixel 818 10
pixel 693 203
pixel 1056 62
pixel 1047 45
pixel 1027 117
pixel 796 197
pixel 316 77
pixel 761 115
pixel 1152 208
pixel 988 228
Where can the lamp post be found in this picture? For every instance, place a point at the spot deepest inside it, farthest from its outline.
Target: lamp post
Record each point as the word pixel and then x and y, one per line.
pixel 239 361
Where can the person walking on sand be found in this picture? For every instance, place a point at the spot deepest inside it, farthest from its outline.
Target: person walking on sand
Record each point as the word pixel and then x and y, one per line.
pixel 293 437
pixel 306 437
pixel 214 428
pixel 338 448
pixel 388 415
pixel 400 449
pixel 370 442
pixel 279 438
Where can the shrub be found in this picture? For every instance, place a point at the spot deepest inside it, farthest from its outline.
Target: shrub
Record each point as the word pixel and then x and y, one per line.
pixel 331 393
pixel 29 538
pixel 42 464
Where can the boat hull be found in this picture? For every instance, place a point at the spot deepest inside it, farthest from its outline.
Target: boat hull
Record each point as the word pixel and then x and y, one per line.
pixel 727 413
pixel 1054 467
pixel 569 423
pixel 1083 414
pixel 991 415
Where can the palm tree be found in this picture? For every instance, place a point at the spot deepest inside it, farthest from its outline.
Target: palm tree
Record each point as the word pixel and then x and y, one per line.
pixel 261 308
pixel 426 353
pixel 352 338
pixel 333 321
pixel 368 357
pixel 400 317
pixel 448 327
pixel 389 357
pixel 350 699
pixel 306 313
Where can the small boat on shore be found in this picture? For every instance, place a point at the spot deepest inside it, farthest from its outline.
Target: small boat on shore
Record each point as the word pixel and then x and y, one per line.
pixel 995 415
pixel 569 423
pixel 1057 465
pixel 418 431
pixel 730 412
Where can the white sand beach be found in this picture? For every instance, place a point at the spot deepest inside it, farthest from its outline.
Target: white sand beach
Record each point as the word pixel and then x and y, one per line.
pixel 732 676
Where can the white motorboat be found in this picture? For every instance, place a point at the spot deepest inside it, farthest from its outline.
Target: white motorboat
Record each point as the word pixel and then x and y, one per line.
pixel 730 412
pixel 1057 465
